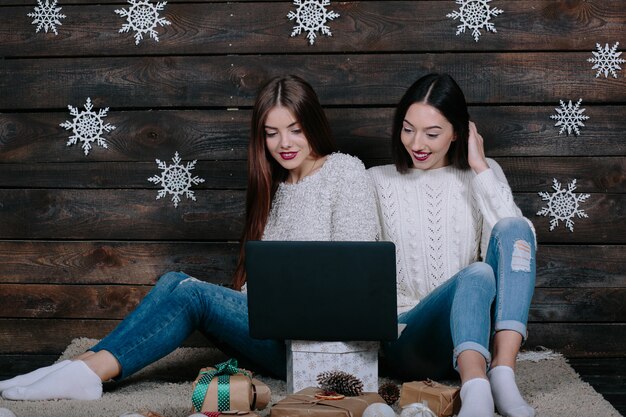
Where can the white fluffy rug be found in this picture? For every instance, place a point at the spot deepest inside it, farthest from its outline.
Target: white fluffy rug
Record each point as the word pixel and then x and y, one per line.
pixel 545 379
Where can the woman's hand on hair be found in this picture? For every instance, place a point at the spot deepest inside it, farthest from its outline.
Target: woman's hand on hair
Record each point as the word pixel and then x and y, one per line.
pixel 476 150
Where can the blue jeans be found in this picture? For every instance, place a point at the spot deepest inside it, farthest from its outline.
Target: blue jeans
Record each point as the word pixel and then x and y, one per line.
pixel 466 311
pixel 176 306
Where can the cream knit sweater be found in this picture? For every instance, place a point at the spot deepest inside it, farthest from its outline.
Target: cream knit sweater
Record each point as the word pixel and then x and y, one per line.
pixel 440 221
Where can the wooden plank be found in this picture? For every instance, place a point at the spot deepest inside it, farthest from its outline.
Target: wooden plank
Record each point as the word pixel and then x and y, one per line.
pixel 142 136
pixel 605 174
pixel 218 175
pixel 137 263
pixel 69 301
pixel 602 368
pixel 600 305
pixel 243 27
pixel 593 175
pixel 347 79
pixel 141 263
pixel 607 376
pixel 581 266
pixel 579 340
pixel 218 215
pixel 603 226
pixel 42 336
pixel 117 301
pixel 51 336
pixel 119 214
pixel 122 3
pixel 138 136
pixel 529 131
pixel 12 365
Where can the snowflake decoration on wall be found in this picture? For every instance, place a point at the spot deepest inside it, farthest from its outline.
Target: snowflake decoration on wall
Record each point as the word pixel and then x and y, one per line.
pixel 563 205
pixel 87 126
pixel 474 15
pixel 606 60
pixel 176 179
pixel 569 117
pixel 143 17
pixel 311 16
pixel 47 16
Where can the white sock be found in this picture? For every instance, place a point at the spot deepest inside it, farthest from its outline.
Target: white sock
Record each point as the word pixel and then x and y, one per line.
pixel 75 381
pixel 476 399
pixel 29 378
pixel 507 397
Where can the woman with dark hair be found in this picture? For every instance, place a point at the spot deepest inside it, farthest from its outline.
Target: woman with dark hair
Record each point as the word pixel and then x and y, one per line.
pixel 298 189
pixel 465 254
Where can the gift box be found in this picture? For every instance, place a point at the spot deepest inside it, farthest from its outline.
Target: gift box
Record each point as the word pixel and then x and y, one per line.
pixel 307 359
pixel 226 387
pixel 443 400
pixel 305 403
pixel 261 395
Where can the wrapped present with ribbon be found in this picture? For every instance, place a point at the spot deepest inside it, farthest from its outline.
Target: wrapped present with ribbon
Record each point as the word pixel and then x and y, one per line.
pixel 225 387
pixel 306 403
pixel 442 399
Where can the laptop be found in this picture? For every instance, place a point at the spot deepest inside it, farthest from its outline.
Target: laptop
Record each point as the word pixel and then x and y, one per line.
pixel 326 291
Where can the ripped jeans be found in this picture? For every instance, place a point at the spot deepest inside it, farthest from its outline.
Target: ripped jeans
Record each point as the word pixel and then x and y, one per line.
pixel 176 306
pixel 466 311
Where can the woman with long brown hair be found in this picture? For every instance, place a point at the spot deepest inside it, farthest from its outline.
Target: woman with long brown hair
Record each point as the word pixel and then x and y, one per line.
pixel 299 188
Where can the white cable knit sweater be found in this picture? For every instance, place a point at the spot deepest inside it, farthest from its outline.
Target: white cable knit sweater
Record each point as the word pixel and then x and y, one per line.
pixel 335 203
pixel 440 221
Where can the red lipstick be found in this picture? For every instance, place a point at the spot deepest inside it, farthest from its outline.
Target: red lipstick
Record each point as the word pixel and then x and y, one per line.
pixel 421 156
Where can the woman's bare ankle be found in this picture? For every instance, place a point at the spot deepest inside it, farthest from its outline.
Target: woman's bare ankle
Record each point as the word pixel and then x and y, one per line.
pixel 103 364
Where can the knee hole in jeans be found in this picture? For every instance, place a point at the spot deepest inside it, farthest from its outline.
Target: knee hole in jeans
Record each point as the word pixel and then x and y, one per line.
pixel 522 254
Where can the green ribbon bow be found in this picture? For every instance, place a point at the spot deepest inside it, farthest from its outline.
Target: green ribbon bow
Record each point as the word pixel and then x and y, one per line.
pixel 223 371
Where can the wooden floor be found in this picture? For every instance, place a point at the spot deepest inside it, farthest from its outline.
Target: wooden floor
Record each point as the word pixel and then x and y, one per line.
pixel 605 375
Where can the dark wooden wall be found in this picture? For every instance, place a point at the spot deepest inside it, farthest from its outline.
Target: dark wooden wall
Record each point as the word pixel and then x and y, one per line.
pixel 82 238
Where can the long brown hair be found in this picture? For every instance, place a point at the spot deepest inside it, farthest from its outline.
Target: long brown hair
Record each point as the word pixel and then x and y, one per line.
pixel 264 172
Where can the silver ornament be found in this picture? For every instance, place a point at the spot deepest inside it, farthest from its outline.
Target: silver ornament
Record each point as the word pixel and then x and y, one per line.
pixel 379 410
pixel 417 410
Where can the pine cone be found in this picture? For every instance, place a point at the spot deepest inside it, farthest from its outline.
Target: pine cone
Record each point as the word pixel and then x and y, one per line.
pixel 390 392
pixel 340 382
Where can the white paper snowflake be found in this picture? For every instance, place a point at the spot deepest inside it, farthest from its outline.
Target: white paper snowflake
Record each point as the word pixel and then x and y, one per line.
pixel 606 60
pixel 311 16
pixel 143 17
pixel 569 117
pixel 87 126
pixel 47 16
pixel 474 15
pixel 176 179
pixel 563 205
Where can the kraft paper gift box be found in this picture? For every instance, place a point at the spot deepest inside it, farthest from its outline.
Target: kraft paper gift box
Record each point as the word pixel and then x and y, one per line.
pixel 307 359
pixel 304 404
pixel 226 387
pixel 443 400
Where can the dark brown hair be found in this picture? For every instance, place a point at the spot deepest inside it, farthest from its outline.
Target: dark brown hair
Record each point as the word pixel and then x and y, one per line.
pixel 444 94
pixel 264 172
